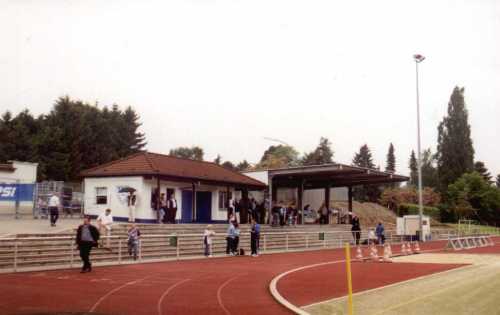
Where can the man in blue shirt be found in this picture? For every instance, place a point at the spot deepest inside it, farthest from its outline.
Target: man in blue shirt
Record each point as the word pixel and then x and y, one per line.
pixel 379 231
pixel 254 238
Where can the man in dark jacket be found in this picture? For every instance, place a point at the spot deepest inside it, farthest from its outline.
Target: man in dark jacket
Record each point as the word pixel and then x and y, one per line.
pixel 87 236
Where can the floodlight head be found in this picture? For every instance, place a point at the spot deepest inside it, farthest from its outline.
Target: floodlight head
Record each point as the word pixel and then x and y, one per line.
pixel 418 58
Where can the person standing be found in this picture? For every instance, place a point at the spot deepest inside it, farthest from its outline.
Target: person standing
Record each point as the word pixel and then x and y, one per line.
pixel 356 229
pixel 207 240
pixel 54 205
pixel 254 238
pixel 172 208
pixel 105 221
pixel 235 239
pixel 379 231
pixel 133 240
pixel 87 237
pixel 132 203
pixel 163 209
pixel 229 237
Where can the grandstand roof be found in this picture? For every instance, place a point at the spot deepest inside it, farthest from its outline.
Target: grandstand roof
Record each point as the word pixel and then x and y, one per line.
pixel 172 168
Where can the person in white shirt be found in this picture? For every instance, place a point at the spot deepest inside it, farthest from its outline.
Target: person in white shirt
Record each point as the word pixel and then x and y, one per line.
pixel 172 209
pixel 54 204
pixel 105 221
pixel 208 240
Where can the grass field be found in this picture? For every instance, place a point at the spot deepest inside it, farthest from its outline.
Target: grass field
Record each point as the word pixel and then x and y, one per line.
pixel 472 289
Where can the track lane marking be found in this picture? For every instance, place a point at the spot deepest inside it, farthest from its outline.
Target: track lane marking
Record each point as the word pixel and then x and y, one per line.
pixel 219 297
pixel 169 289
pixel 92 309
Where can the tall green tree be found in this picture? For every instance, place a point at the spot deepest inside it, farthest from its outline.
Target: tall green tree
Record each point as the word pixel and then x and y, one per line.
pixel 413 165
pixel 429 170
pixel 278 157
pixel 371 193
pixel 192 153
pixel 480 168
pixel 391 160
pixel 498 181
pixel 323 154
pixel 363 158
pixel 455 152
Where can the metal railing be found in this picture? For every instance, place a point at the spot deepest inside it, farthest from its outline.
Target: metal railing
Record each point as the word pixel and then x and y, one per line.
pixel 18 252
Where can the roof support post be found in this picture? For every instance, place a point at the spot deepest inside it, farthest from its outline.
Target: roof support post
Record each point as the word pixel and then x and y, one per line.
pixel 193 203
pixel 271 197
pixel 300 201
pixel 158 198
pixel 327 202
pixel 228 202
pixel 349 196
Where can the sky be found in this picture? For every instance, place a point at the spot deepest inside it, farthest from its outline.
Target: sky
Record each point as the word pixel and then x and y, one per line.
pixel 225 75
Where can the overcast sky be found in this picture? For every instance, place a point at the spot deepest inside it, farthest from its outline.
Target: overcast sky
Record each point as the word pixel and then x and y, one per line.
pixel 225 74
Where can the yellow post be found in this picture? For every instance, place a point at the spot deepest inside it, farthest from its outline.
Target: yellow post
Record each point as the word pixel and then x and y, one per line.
pixel 349 280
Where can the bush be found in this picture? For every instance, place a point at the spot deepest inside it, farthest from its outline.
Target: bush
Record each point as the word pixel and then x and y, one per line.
pixel 408 208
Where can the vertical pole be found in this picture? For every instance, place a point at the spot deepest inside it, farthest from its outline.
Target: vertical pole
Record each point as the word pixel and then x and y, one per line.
pixel 71 252
pixel 15 255
pixel 327 202
pixel 300 197
pixel 271 203
pixel 349 194
pixel 193 203
pixel 177 249
pixel 227 201
pixel 349 278
pixel 420 200
pixel 119 251
pixel 158 198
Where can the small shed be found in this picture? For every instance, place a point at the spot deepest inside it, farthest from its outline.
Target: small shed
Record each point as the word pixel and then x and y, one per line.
pixel 202 189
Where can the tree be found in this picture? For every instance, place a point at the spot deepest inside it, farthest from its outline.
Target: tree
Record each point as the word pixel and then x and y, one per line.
pixel 480 168
pixel 363 158
pixel 413 165
pixel 391 160
pixel 429 170
pixel 243 166
pixel 498 181
pixel 473 198
pixel 218 159
pixel 192 153
pixel 323 154
pixel 279 156
pixel 229 165
pixel 368 192
pixel 455 152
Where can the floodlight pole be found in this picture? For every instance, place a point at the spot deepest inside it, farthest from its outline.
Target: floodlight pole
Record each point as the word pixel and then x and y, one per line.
pixel 419 59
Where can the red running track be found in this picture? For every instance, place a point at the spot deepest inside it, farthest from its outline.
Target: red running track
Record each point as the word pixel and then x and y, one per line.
pixel 235 285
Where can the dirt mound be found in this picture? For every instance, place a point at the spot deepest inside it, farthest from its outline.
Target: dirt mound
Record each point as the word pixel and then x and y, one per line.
pixel 370 214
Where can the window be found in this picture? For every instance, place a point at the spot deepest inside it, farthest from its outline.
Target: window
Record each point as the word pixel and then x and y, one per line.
pixel 101 195
pixel 223 200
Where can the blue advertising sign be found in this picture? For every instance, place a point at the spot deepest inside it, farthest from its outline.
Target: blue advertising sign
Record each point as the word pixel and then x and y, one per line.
pixel 19 192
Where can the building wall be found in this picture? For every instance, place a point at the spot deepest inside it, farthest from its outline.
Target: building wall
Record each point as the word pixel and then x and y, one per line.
pixel 144 189
pixel 25 173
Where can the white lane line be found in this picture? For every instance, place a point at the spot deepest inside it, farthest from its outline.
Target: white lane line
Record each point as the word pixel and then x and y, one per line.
pixel 297 310
pixel 113 291
pixel 278 297
pixel 160 301
pixel 219 296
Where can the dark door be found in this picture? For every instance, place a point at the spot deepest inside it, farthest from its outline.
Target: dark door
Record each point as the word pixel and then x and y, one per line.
pixel 187 204
pixel 203 206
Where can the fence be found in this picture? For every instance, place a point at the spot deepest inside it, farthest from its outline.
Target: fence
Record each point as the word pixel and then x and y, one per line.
pixel 25 252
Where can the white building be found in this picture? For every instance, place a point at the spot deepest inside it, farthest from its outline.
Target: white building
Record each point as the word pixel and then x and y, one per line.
pixel 17 182
pixel 149 173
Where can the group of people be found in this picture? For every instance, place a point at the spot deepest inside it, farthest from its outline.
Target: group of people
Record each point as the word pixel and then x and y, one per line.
pixel 89 236
pixel 284 215
pixel 376 236
pixel 168 209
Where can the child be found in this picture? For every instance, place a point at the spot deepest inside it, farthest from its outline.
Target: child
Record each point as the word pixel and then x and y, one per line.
pixel 133 240
pixel 207 240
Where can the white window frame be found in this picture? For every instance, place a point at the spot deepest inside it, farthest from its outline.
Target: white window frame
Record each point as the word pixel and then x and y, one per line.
pixel 99 193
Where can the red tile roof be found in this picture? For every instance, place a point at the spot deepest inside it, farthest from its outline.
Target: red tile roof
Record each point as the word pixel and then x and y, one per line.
pixel 147 163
